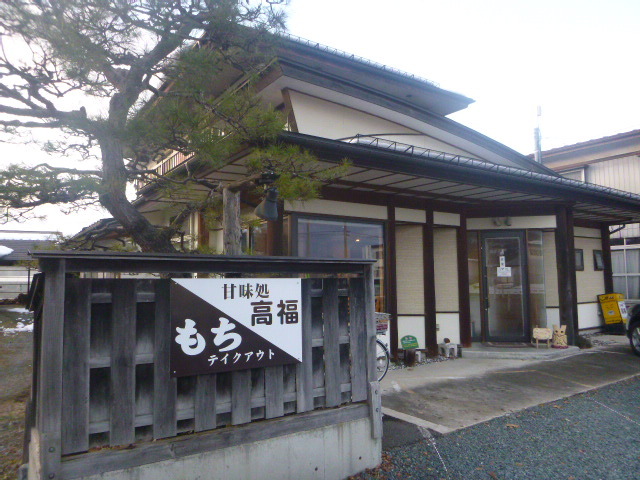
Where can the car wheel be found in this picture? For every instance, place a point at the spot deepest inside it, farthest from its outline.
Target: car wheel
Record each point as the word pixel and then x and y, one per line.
pixel 634 338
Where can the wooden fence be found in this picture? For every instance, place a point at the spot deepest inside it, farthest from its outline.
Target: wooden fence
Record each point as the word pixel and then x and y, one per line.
pixel 101 366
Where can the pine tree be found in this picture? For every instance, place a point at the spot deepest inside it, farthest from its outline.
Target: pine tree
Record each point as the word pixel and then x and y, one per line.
pixel 147 76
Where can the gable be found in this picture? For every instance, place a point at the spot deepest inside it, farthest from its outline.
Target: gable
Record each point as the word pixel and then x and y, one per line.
pixel 322 118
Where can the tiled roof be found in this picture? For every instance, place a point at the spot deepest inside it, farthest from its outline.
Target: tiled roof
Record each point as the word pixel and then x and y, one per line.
pixel 21 249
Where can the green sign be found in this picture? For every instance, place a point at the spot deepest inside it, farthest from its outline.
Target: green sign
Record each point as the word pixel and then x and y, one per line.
pixel 409 341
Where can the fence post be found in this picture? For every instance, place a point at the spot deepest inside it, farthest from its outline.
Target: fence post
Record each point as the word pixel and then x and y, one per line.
pixel 374 399
pixel 49 406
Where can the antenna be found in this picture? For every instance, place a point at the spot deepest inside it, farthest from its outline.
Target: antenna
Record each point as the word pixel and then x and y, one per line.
pixel 537 138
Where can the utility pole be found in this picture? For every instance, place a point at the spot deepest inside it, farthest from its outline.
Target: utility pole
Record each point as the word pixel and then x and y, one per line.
pixel 537 138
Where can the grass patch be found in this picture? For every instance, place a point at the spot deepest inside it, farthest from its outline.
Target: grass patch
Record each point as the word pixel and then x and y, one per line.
pixel 11 435
pixel 15 385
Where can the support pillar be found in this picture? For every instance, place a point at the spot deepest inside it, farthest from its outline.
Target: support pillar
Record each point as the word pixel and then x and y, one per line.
pixel 606 257
pixel 565 258
pixel 275 233
pixel 430 332
pixel 392 280
pixel 464 303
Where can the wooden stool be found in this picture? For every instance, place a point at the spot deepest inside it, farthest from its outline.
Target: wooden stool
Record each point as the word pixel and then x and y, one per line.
pixel 542 334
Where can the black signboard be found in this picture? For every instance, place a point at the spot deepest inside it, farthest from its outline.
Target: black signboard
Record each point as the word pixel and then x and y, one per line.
pixel 221 325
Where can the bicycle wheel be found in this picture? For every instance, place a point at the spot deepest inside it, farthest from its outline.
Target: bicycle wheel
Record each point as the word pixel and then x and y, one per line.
pixel 382 359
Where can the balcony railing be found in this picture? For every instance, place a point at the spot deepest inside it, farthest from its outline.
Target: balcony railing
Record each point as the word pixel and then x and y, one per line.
pixel 165 166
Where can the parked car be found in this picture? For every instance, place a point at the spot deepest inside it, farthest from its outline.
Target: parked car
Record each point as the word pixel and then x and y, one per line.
pixel 633 329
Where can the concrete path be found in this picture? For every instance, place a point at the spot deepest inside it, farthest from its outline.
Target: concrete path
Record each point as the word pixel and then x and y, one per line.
pixel 450 395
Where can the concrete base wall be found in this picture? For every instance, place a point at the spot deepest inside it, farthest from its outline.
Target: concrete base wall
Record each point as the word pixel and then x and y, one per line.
pixel 448 327
pixel 330 453
pixel 589 316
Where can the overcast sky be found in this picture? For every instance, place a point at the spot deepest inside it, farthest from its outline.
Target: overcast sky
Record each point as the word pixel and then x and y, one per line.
pixel 576 59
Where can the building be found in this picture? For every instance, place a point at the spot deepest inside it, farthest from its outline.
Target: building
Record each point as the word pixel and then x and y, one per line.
pixel 611 161
pixel 474 241
pixel 16 265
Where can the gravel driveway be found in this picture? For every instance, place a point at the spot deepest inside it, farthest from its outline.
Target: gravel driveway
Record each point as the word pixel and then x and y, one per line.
pixel 593 435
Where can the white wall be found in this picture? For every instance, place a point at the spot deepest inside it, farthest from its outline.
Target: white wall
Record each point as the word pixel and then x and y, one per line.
pixel 315 116
pixel 445 218
pixel 446 284
pixel 590 282
pixel 520 223
pixel 409 268
pixel 553 317
pixel 446 269
pixel 413 325
pixel 410 215
pixel 410 282
pixel 448 327
pixel 334 208
pixel 621 173
pixel 589 316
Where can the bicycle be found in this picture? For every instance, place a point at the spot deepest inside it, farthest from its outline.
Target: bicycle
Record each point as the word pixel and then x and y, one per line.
pixel 382 359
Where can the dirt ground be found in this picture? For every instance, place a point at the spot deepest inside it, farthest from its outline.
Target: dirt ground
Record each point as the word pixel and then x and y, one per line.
pixel 15 383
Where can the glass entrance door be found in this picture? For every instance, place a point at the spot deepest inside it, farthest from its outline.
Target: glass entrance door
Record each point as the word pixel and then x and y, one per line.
pixel 505 285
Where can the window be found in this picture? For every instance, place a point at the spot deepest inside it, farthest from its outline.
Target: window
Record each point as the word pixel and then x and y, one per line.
pixel 625 263
pixel 335 238
pixel 579 259
pixel 598 260
pixel 254 239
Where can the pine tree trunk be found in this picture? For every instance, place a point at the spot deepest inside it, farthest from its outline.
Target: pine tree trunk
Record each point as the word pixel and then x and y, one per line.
pixel 113 197
pixel 232 231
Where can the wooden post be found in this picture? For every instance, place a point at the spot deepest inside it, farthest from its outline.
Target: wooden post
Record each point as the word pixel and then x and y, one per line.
pixel 331 342
pixel 231 229
pixel 75 381
pixel 606 258
pixel 164 387
pixel 123 365
pixel 428 257
pixel 240 397
pixel 392 279
pixel 275 233
pixel 358 340
pixel 565 258
pixel 464 304
pixel 203 231
pixel 374 398
pixel 369 315
pixel 49 407
pixel 304 370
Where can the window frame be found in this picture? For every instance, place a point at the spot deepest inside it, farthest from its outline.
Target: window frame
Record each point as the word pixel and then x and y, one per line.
pixel 598 261
pixel 579 259
pixel 625 275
